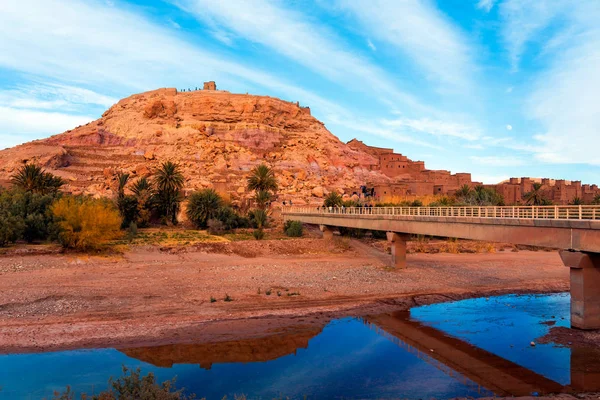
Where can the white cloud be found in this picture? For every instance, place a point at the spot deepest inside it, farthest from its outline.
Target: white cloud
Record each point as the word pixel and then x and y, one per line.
pixel 489 179
pixel 486 5
pixel 92 44
pixel 525 20
pixel 564 96
pixel 434 127
pixel 19 125
pixel 371 45
pixel 509 127
pixel 52 96
pixel 292 35
pixel 509 89
pixel 422 32
pixel 497 161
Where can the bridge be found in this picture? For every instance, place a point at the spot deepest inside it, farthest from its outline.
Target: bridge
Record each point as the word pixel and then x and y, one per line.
pixel 573 230
pixel 478 368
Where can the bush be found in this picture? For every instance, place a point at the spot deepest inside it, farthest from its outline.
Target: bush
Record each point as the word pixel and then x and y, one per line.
pixel 132 385
pixel 258 234
pixel 258 218
pixel 333 199
pixel 293 228
pixel 231 219
pixel 24 216
pixel 85 223
pixel 202 206
pixel 128 209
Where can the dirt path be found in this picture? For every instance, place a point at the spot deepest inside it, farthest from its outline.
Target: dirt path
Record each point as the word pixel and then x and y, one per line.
pixel 151 296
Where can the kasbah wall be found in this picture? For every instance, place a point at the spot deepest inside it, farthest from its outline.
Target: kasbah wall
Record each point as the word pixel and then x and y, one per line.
pixel 413 179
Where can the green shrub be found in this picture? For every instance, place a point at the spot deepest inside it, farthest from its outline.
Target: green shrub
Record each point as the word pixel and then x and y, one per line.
pixel 24 215
pixel 202 206
pixel 258 218
pixel 131 385
pixel 85 223
pixel 333 199
pixel 258 234
pixel 231 219
pixel 293 228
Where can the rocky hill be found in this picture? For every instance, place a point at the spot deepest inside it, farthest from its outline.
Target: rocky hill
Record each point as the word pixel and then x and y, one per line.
pixel 216 137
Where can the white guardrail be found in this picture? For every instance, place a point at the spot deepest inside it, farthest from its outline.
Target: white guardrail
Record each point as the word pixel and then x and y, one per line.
pixel 517 212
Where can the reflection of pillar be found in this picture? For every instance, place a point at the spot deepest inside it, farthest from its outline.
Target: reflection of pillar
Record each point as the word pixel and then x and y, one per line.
pixel 327 232
pixel 398 242
pixel 585 288
pixel 585 369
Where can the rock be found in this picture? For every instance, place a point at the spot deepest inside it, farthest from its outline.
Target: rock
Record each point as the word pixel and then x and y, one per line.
pixel 241 190
pixel 149 155
pixel 318 191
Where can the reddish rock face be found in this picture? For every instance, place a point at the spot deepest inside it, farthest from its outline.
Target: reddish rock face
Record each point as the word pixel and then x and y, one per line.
pixel 216 137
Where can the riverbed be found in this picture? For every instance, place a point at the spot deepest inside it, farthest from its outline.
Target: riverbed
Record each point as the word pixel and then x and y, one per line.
pixel 469 348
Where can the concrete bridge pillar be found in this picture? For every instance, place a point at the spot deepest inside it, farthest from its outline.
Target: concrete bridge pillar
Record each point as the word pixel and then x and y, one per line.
pixel 327 232
pixel 398 241
pixel 585 288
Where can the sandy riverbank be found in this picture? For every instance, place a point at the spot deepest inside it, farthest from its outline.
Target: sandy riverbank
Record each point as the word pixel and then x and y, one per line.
pixel 151 296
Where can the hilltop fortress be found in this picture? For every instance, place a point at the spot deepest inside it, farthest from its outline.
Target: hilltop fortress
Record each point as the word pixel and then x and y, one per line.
pixel 217 137
pixel 411 178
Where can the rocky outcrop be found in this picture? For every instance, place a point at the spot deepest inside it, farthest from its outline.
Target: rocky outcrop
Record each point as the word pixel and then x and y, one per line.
pixel 216 137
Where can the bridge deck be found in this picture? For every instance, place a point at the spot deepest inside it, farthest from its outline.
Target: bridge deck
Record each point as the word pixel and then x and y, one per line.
pixel 564 227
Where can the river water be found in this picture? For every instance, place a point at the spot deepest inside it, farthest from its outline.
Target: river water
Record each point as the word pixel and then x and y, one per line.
pixel 467 348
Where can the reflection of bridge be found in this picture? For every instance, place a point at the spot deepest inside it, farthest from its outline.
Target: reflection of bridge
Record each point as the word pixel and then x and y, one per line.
pixel 572 228
pixel 479 368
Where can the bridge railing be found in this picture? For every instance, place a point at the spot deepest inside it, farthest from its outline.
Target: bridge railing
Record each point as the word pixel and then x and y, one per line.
pixel 583 212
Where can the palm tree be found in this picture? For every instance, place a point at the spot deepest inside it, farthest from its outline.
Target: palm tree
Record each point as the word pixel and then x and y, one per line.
pixel 333 199
pixel 262 178
pixel 577 201
pixel 596 199
pixel 262 198
pixel 169 181
pixel 143 192
pixel 202 206
pixel 32 178
pixel 122 179
pixel 463 192
pixel 536 197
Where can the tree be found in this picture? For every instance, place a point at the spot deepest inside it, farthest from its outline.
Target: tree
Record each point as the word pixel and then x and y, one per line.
pixel 144 193
pixel 169 181
pixel 32 178
pixel 596 200
pixel 262 178
pixel 262 198
pixel 577 201
pixel 203 206
pixel 333 199
pixel 463 192
pixel 536 196
pixel 85 223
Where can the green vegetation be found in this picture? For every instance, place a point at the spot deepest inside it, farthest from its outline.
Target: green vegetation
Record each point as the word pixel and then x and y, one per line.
pixel 227 298
pixel 333 199
pixel 131 385
pixel 202 206
pixel 576 201
pixel 293 228
pixel 169 181
pixel 24 215
pixel 536 197
pixel 32 178
pixel 262 180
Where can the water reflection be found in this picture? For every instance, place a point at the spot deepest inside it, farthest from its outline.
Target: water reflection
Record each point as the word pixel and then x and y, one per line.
pixel 237 351
pixel 464 349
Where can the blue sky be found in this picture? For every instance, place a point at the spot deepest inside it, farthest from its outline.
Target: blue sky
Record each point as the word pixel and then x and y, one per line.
pixel 498 88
